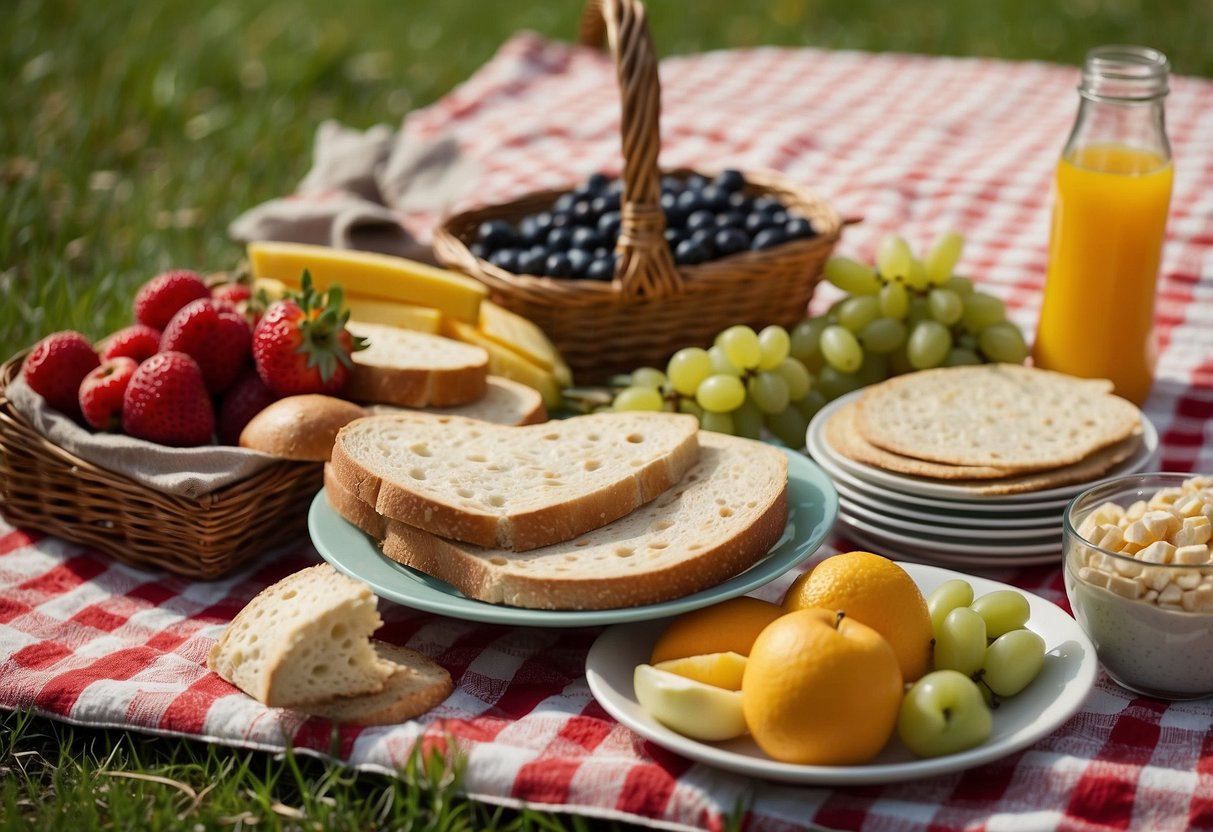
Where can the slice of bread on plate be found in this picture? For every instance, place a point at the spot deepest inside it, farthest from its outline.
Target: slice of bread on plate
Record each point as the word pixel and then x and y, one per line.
pixel 414 369
pixel 515 488
pixel 303 640
pixel 724 515
pixel 416 685
pixel 505 402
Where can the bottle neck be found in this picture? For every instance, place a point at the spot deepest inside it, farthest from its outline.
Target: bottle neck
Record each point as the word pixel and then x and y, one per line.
pixel 1121 105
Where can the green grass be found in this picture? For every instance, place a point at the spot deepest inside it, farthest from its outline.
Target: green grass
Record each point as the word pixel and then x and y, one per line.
pixel 133 131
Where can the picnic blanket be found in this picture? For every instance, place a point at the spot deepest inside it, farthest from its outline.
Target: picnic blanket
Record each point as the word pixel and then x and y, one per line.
pixel 912 144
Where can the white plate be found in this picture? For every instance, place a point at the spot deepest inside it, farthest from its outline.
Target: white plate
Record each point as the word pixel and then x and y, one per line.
pixel 926 554
pixel 992 548
pixel 1052 698
pixel 961 519
pixel 923 486
pixel 931 526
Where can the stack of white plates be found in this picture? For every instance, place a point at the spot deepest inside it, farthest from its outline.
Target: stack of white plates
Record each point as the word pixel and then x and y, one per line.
pixel 933 521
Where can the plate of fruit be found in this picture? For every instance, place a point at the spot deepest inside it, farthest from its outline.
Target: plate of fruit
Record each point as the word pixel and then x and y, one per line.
pixel 870 671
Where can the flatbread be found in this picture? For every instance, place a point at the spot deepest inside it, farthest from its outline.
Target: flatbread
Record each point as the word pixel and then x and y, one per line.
pixel 1002 415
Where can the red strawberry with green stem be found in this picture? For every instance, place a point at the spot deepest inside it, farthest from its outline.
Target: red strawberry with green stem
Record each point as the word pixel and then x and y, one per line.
pixel 137 341
pixel 166 401
pixel 301 344
pixel 218 338
pixel 56 366
pixel 102 391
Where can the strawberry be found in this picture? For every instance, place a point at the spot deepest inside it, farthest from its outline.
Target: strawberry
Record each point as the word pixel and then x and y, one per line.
pixel 219 339
pixel 166 402
pixel 102 390
pixel 136 341
pixel 160 298
pixel 56 366
pixel 301 345
pixel 233 293
pixel 248 397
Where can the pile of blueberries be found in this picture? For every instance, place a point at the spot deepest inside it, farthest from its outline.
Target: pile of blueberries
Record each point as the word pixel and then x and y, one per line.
pixel 705 219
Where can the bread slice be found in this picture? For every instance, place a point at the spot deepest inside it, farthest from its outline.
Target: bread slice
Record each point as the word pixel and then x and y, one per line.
pixel 304 639
pixel 414 369
pixel 505 402
pixel 513 487
pixel 416 685
pixel 727 512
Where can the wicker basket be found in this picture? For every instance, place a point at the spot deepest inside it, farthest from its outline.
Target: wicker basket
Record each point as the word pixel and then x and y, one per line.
pixel 44 487
pixel 652 307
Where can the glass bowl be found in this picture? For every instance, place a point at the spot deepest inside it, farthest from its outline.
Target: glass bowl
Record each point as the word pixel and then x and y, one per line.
pixel 1145 602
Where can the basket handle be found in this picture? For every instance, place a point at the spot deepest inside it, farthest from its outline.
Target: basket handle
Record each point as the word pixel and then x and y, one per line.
pixel 646 266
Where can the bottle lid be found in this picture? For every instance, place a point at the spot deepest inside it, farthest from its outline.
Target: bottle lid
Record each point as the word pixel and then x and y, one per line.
pixel 1127 73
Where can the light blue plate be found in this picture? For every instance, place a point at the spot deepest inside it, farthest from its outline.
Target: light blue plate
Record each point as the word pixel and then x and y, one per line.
pixel 812 507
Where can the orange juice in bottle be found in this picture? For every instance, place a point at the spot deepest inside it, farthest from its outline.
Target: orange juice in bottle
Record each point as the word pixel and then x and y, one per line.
pixel 1112 191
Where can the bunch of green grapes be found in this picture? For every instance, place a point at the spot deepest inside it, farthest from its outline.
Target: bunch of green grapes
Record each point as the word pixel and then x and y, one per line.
pixel 985 638
pixel 905 314
pixel 744 382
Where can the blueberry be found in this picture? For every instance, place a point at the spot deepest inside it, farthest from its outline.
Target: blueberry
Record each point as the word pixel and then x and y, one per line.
pixel 560 239
pixel 562 220
pixel 615 188
pixel 739 200
pixel 479 250
pixel 608 225
pixel 558 265
pixel 601 268
pixel 702 218
pixel 564 203
pixel 696 182
pixel 731 241
pixel 583 212
pixel 767 238
pixel 778 217
pixel 673 236
pixel 505 258
pixel 586 238
pixel 601 251
pixel 703 237
pixel 729 180
pixel 755 221
pixel 671 185
pixel 730 219
pixel 766 204
pixel 689 253
pixel 579 262
pixel 713 197
pixel 495 233
pixel 603 203
pixel 675 216
pixel 531 260
pixel 799 228
pixel 597 183
pixel 534 228
pixel 691 200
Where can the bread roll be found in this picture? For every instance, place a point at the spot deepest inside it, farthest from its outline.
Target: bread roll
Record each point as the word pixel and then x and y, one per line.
pixel 299 427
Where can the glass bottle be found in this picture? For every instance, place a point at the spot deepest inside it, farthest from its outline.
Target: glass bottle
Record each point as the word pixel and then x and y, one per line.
pixel 1111 195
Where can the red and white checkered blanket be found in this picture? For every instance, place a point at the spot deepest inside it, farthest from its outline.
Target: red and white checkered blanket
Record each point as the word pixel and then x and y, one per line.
pixel 913 144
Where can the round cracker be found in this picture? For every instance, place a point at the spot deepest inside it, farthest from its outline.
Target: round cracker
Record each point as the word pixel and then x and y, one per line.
pixel 1003 415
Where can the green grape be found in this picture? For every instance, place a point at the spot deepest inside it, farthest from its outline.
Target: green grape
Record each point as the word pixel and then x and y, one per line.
pixel 1003 609
pixel 852 276
pixel 856 313
pixel 810 404
pixel 893 257
pixel 795 376
pixel 806 342
pixel 747 420
pixel 961 357
pixel 945 306
pixel 789 427
pixel 740 344
pixel 883 335
pixel 637 398
pixel 716 422
pixel 1003 342
pixel 960 643
pixel 928 345
pixel 721 365
pixel 648 377
pixel 774 345
pixel 899 361
pixel 841 349
pixel 960 285
pixel 1012 661
pixel 690 406
pixel 687 368
pixel 943 257
pixel 917 278
pixel 768 391
pixel 982 310
pixel 832 383
pixel 967 341
pixel 720 393
pixel 946 597
pixel 917 310
pixel 874 368
pixel 894 301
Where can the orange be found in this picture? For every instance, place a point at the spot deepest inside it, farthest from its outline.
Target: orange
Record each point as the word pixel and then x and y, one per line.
pixel 728 627
pixel 875 591
pixel 821 688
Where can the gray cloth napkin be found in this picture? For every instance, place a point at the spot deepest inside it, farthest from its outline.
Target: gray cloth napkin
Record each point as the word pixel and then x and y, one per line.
pixel 188 472
pixel 359 185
